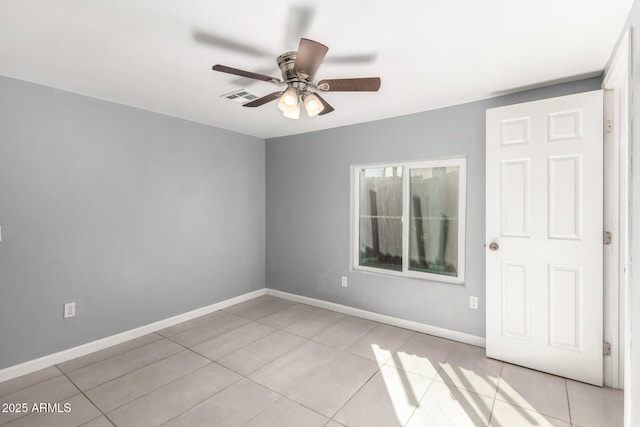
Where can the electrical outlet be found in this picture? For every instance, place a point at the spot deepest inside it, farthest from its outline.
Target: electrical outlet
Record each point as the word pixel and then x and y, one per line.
pixel 343 281
pixel 473 303
pixel 69 310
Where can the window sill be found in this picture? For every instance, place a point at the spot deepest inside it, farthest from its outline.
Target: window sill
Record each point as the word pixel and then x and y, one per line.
pixel 410 275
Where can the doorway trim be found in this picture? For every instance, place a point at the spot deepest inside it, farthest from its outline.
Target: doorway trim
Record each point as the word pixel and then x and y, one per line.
pixel 616 212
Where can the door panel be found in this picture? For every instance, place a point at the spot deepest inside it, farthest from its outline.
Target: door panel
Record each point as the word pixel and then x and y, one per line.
pixel 544 213
pixel 515 304
pixel 565 194
pixel 515 207
pixel 565 317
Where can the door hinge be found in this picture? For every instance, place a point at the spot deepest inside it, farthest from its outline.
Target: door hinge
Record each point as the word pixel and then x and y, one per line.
pixel 606 349
pixel 606 237
pixel 608 127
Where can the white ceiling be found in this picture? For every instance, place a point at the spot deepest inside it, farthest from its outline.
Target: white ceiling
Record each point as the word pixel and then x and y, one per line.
pixel 428 53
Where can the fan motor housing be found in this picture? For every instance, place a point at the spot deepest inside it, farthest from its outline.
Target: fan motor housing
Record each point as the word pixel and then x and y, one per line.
pixel 286 62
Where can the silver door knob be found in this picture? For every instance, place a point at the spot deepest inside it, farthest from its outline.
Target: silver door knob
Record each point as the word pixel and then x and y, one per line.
pixel 493 246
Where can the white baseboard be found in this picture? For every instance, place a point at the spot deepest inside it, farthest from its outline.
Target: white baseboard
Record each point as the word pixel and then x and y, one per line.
pixel 90 347
pixel 84 349
pixel 390 320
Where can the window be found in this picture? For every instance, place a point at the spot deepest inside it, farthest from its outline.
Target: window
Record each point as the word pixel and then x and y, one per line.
pixel 409 219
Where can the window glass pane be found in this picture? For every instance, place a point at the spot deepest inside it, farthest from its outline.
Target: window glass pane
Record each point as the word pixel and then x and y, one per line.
pixel 433 225
pixel 380 219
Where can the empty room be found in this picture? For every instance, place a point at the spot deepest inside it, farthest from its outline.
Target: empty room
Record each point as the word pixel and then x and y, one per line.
pixel 298 213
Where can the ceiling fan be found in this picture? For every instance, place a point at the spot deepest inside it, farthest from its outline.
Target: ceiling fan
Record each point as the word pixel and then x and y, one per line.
pixel 298 70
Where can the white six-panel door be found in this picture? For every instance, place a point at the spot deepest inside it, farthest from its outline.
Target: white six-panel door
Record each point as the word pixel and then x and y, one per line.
pixel 544 178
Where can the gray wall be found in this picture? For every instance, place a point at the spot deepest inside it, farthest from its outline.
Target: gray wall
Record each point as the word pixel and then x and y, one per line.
pixel 308 209
pixel 135 216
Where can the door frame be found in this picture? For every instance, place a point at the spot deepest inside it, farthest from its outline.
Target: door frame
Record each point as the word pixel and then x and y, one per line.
pixel 616 213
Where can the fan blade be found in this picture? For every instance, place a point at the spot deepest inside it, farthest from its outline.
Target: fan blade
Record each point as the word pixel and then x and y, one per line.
pixel 242 73
pixel 363 84
pixel 310 55
pixel 218 41
pixel 260 101
pixel 298 23
pixel 327 108
pixel 244 81
pixel 364 58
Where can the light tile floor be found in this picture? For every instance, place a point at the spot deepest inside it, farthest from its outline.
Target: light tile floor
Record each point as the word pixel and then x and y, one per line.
pixel 272 362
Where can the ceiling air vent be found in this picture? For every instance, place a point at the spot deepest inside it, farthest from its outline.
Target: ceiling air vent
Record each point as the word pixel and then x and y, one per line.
pixel 241 96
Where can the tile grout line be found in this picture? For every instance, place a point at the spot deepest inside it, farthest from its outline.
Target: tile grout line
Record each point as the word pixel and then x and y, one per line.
pixel 231 330
pixel 111 357
pixel 419 402
pixel 493 405
pixel 319 332
pixel 282 396
pixel 199 403
pixel 24 388
pixel 67 371
pixel 124 374
pixel 311 340
pixel 246 377
pixel 88 399
pixel 5 394
pixel 240 374
pixel 226 354
pixel 211 361
pixel 354 394
pixel 264 409
pixel 225 314
pixel 172 336
pixel 255 320
pixel 495 398
pixel 62 374
pixel 566 389
pixel 386 363
pixel 261 366
pixel 161 385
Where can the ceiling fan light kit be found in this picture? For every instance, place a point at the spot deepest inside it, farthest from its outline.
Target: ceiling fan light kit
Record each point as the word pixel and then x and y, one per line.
pixel 312 104
pixel 293 114
pixel 298 69
pixel 288 101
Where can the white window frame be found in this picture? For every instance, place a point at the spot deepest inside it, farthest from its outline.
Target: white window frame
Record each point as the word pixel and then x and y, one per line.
pixel 460 162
